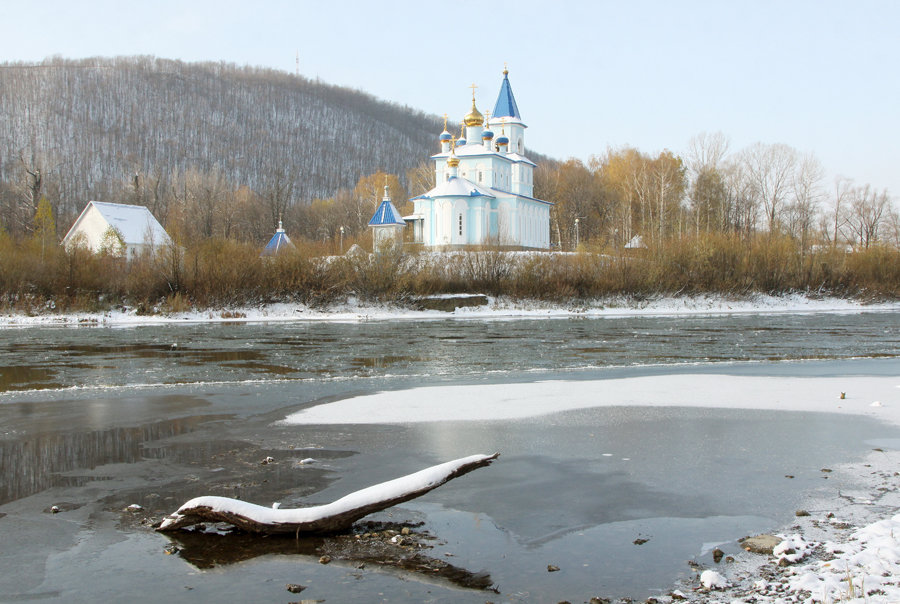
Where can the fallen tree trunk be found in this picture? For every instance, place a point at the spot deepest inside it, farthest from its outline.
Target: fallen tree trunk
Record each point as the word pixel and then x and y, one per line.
pixel 329 518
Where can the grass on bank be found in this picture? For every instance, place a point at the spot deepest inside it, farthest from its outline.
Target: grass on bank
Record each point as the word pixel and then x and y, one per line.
pixel 216 273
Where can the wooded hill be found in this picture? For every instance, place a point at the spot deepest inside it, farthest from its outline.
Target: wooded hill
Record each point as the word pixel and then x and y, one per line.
pixel 129 129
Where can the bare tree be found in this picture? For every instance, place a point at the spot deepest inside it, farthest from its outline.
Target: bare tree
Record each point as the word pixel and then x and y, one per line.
pixel 770 169
pixel 833 225
pixel 706 151
pixel 807 195
pixel 893 227
pixel 867 209
pixel 741 207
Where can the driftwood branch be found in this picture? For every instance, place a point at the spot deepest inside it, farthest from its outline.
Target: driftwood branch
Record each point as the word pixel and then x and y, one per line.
pixel 329 518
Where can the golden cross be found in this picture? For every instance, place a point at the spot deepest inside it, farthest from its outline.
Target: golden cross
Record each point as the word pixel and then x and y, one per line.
pixel 473 87
pixel 445 121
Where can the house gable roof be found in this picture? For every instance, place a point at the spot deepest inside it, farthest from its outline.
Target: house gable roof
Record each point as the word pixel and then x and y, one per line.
pixel 134 224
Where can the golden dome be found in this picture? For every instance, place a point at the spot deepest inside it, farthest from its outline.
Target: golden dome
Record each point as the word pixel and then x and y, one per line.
pixel 453 161
pixel 474 117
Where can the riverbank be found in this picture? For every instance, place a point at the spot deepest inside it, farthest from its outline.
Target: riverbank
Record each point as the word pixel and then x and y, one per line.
pixel 488 307
pixel 839 549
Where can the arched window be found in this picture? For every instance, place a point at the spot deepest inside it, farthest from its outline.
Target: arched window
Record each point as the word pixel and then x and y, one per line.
pixel 460 225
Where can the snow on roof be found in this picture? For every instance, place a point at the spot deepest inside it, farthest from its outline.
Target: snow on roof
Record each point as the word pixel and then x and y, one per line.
pixel 468 149
pixel 278 242
pixel 457 186
pixel 520 158
pixel 135 224
pixel 478 149
pixel 506 102
pixel 386 214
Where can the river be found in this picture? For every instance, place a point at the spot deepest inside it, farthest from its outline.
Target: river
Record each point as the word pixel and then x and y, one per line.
pixel 95 419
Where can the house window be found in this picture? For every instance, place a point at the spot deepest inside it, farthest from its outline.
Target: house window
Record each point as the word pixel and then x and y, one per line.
pixel 460 225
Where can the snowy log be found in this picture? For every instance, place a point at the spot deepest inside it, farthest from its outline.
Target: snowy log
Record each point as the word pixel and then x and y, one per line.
pixel 329 518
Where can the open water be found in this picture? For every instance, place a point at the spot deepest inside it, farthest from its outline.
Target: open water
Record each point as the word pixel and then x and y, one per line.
pixel 95 419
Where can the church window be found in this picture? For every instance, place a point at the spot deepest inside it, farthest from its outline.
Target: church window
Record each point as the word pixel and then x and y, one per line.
pixel 447 177
pixel 460 225
pixel 479 176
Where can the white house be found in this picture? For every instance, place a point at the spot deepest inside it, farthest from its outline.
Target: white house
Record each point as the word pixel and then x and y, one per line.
pixel 118 229
pixel 484 191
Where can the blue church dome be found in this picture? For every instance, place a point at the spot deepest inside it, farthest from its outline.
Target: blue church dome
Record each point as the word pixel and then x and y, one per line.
pixel 487 135
pixel 502 140
pixel 445 136
pixel 460 141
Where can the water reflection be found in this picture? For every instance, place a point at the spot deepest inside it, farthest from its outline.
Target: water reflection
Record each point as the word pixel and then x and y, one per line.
pixel 24 377
pixel 36 463
pixel 369 544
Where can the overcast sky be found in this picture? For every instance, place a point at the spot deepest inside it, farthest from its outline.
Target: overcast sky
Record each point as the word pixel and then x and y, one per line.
pixel 821 76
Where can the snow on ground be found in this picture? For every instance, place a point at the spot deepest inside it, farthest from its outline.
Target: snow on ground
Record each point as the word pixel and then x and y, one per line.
pixel 827 559
pixel 353 311
pixel 482 402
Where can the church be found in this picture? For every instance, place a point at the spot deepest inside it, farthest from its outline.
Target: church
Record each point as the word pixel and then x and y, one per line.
pixel 484 193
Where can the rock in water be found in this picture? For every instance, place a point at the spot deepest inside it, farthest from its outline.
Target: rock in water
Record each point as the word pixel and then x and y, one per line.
pixel 761 544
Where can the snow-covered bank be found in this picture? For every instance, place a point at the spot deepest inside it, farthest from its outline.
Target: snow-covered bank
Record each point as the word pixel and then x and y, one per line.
pixel 846 550
pixel 354 311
